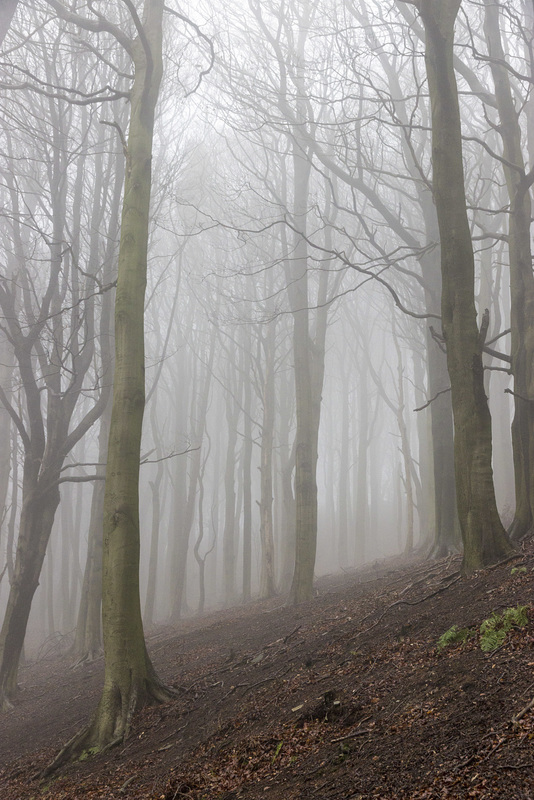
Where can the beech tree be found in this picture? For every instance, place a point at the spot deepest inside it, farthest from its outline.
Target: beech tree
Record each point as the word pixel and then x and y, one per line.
pixel 130 679
pixel 484 538
pixel 518 183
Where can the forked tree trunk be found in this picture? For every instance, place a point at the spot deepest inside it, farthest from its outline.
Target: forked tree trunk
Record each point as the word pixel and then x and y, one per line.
pixel 483 535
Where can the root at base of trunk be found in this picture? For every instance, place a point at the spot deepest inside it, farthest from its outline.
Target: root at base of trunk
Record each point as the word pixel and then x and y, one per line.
pixel 111 723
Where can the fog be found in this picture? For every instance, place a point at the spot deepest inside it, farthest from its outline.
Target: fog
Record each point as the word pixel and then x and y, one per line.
pixel 292 218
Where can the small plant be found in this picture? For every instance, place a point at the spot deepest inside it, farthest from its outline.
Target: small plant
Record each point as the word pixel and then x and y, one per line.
pixel 277 751
pixel 454 635
pixel 493 631
pixel 518 570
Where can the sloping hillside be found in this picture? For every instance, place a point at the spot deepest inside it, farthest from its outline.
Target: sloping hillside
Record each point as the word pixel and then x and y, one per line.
pixel 342 698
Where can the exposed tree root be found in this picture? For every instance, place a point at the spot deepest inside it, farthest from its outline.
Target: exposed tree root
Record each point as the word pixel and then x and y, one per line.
pixel 87 658
pixel 112 721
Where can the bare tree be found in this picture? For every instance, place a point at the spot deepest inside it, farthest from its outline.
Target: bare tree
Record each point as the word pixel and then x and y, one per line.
pixel 483 535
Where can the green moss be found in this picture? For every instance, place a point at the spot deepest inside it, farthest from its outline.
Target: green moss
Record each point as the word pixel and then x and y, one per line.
pixel 91 751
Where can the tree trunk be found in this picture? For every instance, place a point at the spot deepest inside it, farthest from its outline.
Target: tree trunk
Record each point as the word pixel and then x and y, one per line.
pixel 37 518
pixel 129 680
pixel 267 573
pixel 483 535
pixel 230 517
pixel 521 278
pixel 198 412
pixel 343 495
pixel 306 434
pixel 150 600
pixel 361 493
pixel 247 489
pixel 88 637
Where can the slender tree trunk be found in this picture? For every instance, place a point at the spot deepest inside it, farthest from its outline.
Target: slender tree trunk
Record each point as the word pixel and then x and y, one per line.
pixel 88 636
pixel 150 600
pixel 361 494
pixel 267 576
pixel 230 518
pixel 342 488
pixel 425 486
pixel 405 450
pixel 199 409
pixel 68 532
pixel 6 371
pixel 287 468
pixel 247 492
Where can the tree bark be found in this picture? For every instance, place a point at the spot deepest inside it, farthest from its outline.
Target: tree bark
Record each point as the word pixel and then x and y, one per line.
pixel 521 278
pixel 306 434
pixel 267 572
pixel 484 538
pixel 129 680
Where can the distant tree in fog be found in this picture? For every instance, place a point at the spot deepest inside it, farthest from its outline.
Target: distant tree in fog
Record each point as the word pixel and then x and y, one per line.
pixel 49 304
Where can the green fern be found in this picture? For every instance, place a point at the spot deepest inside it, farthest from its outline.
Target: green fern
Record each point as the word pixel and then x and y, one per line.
pixel 493 631
pixel 454 635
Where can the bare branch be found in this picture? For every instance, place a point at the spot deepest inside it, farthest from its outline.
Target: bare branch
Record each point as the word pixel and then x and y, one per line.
pixel 202 36
pixel 99 25
pixel 443 391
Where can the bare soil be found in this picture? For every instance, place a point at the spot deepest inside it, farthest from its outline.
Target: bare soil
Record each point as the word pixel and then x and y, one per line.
pixel 341 698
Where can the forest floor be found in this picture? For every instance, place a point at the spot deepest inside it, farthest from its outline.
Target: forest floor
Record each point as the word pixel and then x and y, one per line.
pixel 345 697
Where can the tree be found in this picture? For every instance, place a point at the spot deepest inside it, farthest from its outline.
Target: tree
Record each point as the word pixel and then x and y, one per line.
pixel 484 538
pixel 53 346
pixel 518 184
pixel 130 679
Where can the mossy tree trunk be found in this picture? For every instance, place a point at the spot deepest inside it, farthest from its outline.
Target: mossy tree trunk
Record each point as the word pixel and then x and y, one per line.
pixel 484 538
pixel 521 276
pixel 129 677
pixel 129 680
